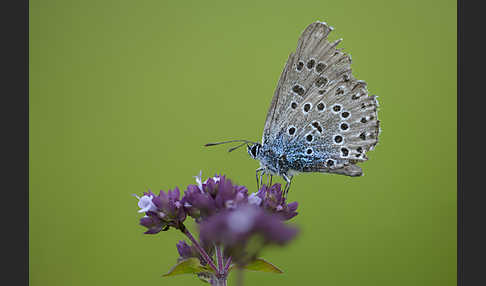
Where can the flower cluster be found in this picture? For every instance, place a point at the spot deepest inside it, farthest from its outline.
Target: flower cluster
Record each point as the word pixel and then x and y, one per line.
pixel 162 211
pixel 245 231
pixel 273 200
pixel 203 200
pixel 234 226
pixel 215 194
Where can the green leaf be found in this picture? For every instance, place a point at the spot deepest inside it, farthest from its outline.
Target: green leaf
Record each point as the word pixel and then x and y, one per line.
pixel 189 265
pixel 204 277
pixel 262 265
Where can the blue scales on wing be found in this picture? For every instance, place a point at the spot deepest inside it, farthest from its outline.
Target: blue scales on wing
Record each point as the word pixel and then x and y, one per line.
pixel 321 118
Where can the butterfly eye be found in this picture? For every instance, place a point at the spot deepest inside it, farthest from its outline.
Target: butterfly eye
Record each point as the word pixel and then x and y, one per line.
pixel 254 150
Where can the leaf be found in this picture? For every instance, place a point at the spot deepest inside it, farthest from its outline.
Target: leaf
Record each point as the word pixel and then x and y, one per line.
pixel 204 277
pixel 262 265
pixel 189 265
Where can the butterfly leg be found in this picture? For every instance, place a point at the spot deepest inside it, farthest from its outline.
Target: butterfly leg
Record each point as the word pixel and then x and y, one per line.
pixel 258 178
pixel 287 186
pixel 261 179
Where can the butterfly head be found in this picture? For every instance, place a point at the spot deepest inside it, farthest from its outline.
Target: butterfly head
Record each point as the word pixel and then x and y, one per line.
pixel 254 150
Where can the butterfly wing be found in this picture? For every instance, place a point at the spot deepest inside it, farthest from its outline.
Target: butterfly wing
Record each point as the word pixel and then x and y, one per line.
pixel 320 113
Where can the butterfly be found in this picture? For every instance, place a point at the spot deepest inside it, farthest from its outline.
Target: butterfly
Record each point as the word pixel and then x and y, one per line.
pixel 321 118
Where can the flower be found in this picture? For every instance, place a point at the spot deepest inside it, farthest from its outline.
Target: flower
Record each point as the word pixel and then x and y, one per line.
pixel 162 211
pixel 145 203
pixel 231 227
pixel 245 231
pixel 199 180
pixel 187 251
pixel 272 199
pixel 215 194
pixel 254 199
pixel 170 205
pixel 153 223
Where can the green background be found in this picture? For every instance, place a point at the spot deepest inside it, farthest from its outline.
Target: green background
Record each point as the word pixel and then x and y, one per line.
pixel 123 94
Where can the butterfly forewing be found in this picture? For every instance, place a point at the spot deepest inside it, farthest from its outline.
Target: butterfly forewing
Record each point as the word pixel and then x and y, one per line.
pixel 320 113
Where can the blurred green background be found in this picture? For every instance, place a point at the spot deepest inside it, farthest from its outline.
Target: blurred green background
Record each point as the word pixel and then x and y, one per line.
pixel 123 94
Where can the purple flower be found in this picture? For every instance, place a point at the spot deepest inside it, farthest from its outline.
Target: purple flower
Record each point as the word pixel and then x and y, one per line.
pixel 186 251
pixel 145 203
pixel 215 194
pixel 153 223
pixel 254 199
pixel 162 211
pixel 272 199
pixel 170 205
pixel 245 230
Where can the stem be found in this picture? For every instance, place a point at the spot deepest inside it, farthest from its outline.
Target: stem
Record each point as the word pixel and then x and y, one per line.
pixel 227 266
pixel 218 281
pixel 203 253
pixel 219 255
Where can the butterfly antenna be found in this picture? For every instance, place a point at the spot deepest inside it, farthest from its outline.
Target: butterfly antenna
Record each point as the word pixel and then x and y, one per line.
pixel 231 141
pixel 234 148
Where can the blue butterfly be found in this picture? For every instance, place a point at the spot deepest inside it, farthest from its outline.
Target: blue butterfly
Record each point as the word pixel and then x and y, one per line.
pixel 321 118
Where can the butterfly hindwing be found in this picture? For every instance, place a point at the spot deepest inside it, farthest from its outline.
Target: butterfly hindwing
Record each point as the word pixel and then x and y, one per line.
pixel 320 112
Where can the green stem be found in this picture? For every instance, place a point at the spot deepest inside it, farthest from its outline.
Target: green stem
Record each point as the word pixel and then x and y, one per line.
pixel 219 255
pixel 218 281
pixel 203 253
